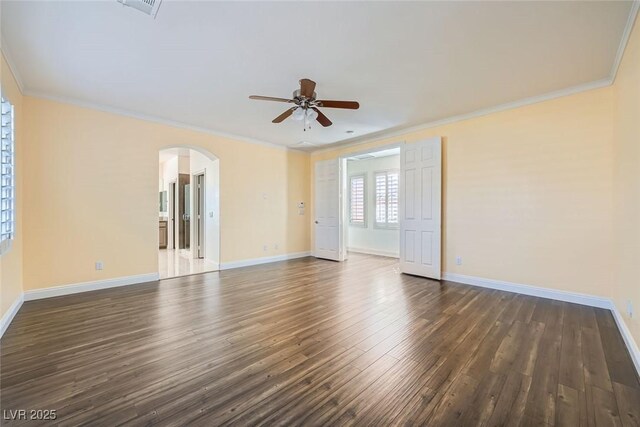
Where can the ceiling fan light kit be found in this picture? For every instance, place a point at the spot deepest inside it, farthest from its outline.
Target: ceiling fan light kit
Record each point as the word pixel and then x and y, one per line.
pixel 307 104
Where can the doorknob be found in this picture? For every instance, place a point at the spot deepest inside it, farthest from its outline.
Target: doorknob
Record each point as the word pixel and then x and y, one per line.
pixel 317 222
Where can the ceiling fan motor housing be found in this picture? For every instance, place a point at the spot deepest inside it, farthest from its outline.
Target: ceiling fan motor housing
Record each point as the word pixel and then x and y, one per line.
pixel 296 95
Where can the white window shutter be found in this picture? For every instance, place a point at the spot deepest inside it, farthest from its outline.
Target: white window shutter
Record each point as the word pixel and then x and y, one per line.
pixel 381 198
pixel 392 198
pixel 7 175
pixel 357 200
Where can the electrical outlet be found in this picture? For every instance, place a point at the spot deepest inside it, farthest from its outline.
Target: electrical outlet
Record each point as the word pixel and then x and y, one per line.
pixel 275 246
pixel 99 265
pixel 458 260
pixel 265 248
pixel 629 308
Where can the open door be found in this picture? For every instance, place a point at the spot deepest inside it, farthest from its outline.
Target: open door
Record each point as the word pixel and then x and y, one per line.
pixel 328 229
pixel 420 207
pixel 199 196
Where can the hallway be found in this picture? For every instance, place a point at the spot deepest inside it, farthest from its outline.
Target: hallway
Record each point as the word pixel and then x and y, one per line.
pixel 174 263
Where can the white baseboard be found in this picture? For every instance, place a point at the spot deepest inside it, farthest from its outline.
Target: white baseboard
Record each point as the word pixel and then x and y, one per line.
pixel 374 252
pixel 10 314
pixel 632 346
pixel 75 288
pixel 574 297
pixel 263 260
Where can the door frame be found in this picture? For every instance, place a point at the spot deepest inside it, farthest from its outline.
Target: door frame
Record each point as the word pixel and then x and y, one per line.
pixel 200 225
pixel 344 190
pixel 171 244
pixel 214 211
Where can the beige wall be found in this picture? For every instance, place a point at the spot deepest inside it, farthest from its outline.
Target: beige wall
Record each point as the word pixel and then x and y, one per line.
pixel 11 262
pixel 93 188
pixel 626 173
pixel 547 194
pixel 527 193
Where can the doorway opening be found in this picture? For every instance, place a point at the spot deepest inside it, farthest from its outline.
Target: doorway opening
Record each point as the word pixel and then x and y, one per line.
pixel 371 214
pixel 382 209
pixel 189 214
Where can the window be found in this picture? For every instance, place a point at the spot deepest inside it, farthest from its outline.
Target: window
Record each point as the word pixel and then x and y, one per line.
pixel 356 200
pixel 7 177
pixel 386 199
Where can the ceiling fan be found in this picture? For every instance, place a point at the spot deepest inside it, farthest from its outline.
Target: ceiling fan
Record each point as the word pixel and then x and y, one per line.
pixel 306 105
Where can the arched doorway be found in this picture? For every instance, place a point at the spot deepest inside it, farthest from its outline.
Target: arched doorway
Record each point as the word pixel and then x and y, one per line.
pixel 189 211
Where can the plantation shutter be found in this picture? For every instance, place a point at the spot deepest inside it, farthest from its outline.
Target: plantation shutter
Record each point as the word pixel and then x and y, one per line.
pixel 357 200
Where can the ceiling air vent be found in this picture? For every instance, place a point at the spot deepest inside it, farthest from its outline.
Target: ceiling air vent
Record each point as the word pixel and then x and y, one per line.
pixel 150 7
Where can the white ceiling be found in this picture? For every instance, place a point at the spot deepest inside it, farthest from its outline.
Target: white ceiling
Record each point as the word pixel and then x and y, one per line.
pixel 406 63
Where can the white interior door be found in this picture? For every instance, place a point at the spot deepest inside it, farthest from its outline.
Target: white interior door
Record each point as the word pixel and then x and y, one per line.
pixel 327 210
pixel 420 207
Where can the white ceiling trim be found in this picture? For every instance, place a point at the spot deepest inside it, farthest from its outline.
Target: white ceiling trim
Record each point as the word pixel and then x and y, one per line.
pixel 633 13
pixel 478 113
pixel 153 119
pixel 107 109
pixel 635 8
pixel 12 67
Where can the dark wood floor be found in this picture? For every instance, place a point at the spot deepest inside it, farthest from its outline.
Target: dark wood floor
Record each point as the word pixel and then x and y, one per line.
pixel 311 342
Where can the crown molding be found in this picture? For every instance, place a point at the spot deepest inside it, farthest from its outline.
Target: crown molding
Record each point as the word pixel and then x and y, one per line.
pixel 12 67
pixel 154 119
pixel 377 136
pixel 401 131
pixel 366 139
pixel 122 112
pixel 626 34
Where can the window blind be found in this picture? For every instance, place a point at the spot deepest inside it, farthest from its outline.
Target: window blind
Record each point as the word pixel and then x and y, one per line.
pixel 381 198
pixel 357 199
pixel 392 197
pixel 387 198
pixel 7 175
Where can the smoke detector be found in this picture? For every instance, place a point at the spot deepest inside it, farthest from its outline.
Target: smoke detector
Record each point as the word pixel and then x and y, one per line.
pixel 150 7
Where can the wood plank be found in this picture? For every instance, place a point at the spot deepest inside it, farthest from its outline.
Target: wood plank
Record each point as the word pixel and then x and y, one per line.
pixel 619 364
pixel 311 341
pixel 596 371
pixel 541 401
pixel 628 400
pixel 604 406
pixel 570 407
pixel 571 365
pixel 511 403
